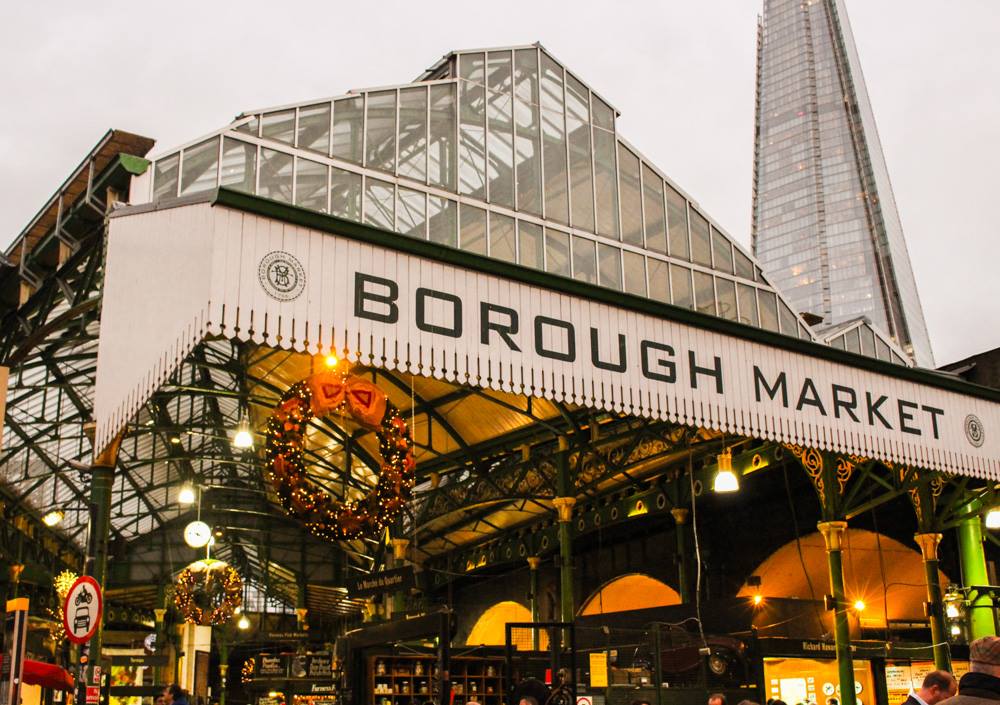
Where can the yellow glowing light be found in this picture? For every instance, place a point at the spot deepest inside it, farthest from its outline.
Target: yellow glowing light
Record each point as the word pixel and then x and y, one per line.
pixel 638 509
pixel 244 624
pixel 331 361
pixel 53 517
pixel 951 612
pixel 955 630
pixel 186 495
pixel 758 598
pixel 859 605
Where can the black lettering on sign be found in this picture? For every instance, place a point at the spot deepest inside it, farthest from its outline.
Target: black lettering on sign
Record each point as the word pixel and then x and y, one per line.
pixel 873 411
pixel 595 355
pixel 505 330
pixel 362 295
pixel 810 397
pixel 455 331
pixel 670 373
pixel 848 405
pixel 714 371
pixel 905 416
pixel 760 380
pixel 570 354
pixel 934 412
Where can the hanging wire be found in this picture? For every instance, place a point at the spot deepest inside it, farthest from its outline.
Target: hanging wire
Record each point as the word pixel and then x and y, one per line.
pixel 798 547
pixel 697 550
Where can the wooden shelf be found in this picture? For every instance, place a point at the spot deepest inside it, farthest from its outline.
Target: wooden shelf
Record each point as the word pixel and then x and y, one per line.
pixel 466 671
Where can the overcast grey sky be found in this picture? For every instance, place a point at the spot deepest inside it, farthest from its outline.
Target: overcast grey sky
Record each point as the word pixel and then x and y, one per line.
pixel 681 73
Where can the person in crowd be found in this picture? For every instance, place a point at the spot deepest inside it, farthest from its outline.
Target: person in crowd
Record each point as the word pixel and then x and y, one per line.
pixel 174 695
pixel 981 685
pixel 640 702
pixel 937 686
pixel 714 699
pixel 747 702
pixel 528 700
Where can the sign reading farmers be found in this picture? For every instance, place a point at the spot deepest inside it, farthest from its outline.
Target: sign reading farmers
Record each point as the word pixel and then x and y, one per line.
pixel 82 610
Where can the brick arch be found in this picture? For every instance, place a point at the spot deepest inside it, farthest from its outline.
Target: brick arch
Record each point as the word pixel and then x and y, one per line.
pixel 867 556
pixel 632 591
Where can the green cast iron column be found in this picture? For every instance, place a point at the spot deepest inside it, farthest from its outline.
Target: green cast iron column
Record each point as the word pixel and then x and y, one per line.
pixel 680 515
pixel 928 543
pixel 533 563
pixel 833 533
pixel 399 549
pixel 102 477
pixel 564 506
pixel 970 547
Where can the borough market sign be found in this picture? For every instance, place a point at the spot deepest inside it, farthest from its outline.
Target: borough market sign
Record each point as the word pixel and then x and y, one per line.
pixel 176 275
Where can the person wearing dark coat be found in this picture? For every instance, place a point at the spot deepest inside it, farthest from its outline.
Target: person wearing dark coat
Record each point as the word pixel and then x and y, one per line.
pixel 175 695
pixel 981 685
pixel 937 686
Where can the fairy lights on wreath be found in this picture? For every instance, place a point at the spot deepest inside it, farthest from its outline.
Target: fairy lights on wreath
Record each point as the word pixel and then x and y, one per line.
pixel 208 592
pixel 338 391
pixel 246 672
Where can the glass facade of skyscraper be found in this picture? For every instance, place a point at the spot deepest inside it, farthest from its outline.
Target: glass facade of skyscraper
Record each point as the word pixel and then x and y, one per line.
pixel 825 224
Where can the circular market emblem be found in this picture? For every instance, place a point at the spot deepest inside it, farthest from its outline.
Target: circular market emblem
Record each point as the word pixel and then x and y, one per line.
pixel 974 430
pixel 282 275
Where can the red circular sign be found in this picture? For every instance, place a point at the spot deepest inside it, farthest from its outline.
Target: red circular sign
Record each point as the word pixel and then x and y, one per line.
pixel 82 610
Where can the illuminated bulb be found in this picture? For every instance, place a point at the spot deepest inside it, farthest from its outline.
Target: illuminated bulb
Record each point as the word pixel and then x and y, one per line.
pixel 955 630
pixel 758 598
pixel 951 612
pixel 186 495
pixel 243 438
pixel 53 517
pixel 331 360
pixel 860 605
pixel 175 439
pixel 244 623
pixel 725 478
pixel 993 519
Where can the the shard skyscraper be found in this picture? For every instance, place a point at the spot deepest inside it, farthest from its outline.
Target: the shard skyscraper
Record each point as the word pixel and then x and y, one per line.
pixel 825 225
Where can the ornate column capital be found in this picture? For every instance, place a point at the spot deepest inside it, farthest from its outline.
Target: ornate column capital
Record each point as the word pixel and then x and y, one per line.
pixel 300 614
pixel 928 543
pixel 534 562
pixel 160 614
pixel 833 533
pixel 564 505
pixel 680 515
pixel 15 572
pixel 399 549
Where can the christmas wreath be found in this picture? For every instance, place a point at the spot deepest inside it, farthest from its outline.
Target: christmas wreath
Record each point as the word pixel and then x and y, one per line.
pixel 208 592
pixel 338 391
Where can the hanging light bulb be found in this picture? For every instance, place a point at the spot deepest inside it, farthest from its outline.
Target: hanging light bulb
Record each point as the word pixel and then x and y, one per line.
pixel 186 495
pixel 956 630
pixel 244 623
pixel 243 438
pixel 758 598
pixel 859 605
pixel 53 517
pixel 951 612
pixel 330 360
pixel 993 518
pixel 725 478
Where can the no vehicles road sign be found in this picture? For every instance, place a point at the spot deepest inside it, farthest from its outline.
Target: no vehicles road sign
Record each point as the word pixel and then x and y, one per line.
pixel 82 610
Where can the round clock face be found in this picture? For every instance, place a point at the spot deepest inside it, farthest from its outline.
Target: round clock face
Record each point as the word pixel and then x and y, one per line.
pixel 197 534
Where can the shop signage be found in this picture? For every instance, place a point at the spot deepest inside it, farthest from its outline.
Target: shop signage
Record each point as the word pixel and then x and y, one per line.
pixel 93 694
pixel 292 635
pixel 82 610
pixel 320 688
pixel 271 666
pixel 598 669
pixel 386 581
pixel 148 661
pixel 177 275
pixel 319 666
pixel 15 635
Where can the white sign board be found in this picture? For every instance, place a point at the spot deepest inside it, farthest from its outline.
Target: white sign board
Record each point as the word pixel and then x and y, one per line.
pixel 82 610
pixel 177 275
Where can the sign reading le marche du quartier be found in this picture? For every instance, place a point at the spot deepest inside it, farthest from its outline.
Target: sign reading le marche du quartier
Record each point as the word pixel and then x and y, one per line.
pixel 504 328
pixel 386 581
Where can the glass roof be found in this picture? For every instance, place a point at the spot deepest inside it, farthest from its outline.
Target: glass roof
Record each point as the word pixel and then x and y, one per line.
pixel 500 152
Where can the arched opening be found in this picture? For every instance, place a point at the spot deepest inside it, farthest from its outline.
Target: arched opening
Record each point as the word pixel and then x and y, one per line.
pixel 490 628
pixel 884 574
pixel 634 591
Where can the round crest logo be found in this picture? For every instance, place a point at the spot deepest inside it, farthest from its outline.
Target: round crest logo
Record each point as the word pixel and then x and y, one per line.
pixel 974 430
pixel 281 275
